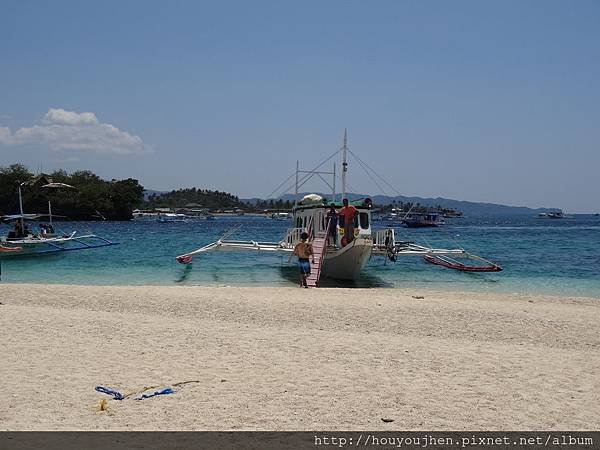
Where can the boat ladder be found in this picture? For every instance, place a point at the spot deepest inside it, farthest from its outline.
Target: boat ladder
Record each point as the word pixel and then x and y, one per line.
pixel 318 244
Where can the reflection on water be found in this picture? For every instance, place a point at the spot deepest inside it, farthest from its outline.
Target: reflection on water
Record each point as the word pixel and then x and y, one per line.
pixel 366 280
pixel 184 273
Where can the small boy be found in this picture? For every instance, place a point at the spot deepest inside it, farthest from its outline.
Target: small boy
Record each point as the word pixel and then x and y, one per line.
pixel 303 251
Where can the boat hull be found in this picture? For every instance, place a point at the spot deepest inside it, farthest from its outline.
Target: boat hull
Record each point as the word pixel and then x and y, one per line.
pixel 43 246
pixel 421 224
pixel 348 262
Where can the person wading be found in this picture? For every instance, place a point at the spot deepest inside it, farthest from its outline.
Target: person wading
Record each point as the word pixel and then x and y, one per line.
pixel 303 251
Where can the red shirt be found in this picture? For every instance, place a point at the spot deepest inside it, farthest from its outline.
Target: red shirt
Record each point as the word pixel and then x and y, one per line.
pixel 348 212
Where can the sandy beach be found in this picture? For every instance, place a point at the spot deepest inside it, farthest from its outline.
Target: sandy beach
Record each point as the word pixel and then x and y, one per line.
pixel 293 359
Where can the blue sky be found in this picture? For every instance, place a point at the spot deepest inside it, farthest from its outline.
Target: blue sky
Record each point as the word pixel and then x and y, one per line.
pixel 482 101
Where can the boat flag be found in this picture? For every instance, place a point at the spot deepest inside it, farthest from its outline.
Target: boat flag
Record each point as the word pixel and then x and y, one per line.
pixel 185 259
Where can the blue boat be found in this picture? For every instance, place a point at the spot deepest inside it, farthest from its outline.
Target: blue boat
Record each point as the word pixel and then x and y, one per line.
pixel 422 220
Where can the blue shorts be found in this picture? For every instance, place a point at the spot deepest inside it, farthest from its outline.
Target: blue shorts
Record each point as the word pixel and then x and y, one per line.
pixel 304 266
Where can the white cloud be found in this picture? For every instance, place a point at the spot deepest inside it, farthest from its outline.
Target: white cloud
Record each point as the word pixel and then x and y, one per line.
pixel 70 130
pixel 62 117
pixel 4 134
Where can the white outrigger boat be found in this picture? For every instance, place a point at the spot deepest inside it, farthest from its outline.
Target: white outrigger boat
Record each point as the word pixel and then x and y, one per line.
pixel 24 242
pixel 337 259
pixel 46 240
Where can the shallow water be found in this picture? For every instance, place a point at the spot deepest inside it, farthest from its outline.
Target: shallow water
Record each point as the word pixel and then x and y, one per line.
pixel 538 256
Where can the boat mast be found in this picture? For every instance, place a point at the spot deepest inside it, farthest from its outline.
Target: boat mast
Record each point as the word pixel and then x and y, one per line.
pixel 344 164
pixel 21 206
pixel 296 190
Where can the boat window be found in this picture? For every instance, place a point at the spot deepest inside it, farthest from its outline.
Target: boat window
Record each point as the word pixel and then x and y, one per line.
pixel 299 222
pixel 364 220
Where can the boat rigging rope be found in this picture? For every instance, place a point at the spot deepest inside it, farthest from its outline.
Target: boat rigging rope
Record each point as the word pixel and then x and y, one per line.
pixel 304 178
pixel 360 161
pixel 278 187
pixel 370 176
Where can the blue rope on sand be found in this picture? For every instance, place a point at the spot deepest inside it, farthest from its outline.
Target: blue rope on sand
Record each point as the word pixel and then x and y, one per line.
pixel 165 391
pixel 116 394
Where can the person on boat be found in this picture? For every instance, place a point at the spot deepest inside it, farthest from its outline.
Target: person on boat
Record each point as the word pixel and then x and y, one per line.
pixel 349 213
pixel 303 251
pixel 332 220
pixel 20 229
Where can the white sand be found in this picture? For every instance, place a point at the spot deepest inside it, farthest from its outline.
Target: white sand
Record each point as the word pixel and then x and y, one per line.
pixel 293 359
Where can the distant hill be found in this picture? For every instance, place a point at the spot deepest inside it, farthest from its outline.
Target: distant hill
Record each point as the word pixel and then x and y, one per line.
pixel 149 192
pixel 468 208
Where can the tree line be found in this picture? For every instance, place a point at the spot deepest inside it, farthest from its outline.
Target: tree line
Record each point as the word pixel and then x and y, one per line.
pixel 203 198
pixel 92 199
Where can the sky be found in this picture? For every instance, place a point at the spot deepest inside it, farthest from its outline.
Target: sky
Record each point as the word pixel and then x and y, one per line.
pixel 482 101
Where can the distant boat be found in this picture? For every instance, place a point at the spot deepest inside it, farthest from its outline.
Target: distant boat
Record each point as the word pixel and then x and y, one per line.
pixel 172 217
pixel 281 216
pixel 144 215
pixel 552 215
pixel 423 220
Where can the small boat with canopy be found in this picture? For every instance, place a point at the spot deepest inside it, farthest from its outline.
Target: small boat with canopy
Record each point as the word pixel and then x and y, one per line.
pixel 44 239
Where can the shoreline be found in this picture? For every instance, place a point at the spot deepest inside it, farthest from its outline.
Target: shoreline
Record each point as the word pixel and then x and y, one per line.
pixel 278 358
pixel 466 288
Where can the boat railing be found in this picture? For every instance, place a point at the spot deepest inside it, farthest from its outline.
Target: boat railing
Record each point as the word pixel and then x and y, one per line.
pixel 293 236
pixel 384 238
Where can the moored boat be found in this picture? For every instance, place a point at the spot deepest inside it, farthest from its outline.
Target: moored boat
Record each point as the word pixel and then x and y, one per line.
pixel 336 255
pixel 22 241
pixel 423 220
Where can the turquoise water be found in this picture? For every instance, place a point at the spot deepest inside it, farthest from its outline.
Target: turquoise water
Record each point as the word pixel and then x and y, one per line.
pixel 538 255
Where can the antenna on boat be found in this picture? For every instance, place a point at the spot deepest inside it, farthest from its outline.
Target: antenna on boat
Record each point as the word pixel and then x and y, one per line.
pixel 296 190
pixel 344 163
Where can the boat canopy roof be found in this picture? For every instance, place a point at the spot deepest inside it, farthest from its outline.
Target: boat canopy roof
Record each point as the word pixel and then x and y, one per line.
pixel 358 204
pixel 13 217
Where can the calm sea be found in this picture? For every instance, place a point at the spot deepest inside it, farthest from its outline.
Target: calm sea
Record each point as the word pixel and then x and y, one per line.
pixel 538 256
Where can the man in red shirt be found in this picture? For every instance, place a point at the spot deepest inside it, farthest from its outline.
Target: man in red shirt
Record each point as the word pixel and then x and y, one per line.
pixel 349 212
